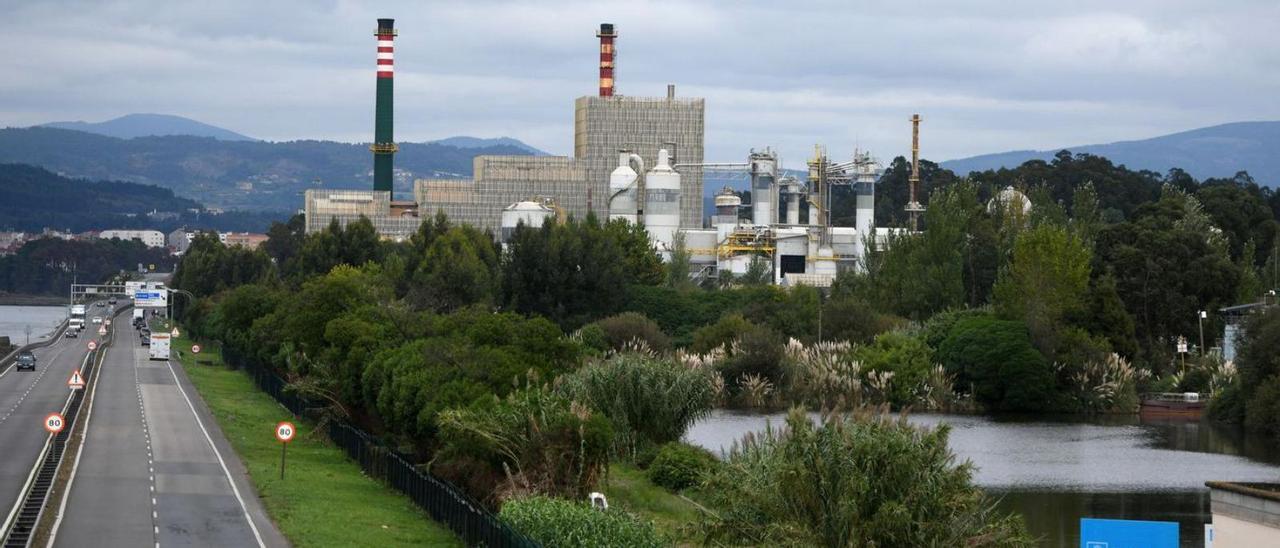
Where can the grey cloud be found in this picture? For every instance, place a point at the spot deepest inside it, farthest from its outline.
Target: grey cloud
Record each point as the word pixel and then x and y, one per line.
pixel 986 75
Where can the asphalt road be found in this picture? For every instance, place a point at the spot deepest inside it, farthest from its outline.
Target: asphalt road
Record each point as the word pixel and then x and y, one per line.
pixel 26 398
pixel 155 469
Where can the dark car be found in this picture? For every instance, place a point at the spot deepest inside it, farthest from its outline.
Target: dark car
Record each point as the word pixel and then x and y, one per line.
pixel 26 360
pixel 72 333
pixel 111 300
pixel 146 339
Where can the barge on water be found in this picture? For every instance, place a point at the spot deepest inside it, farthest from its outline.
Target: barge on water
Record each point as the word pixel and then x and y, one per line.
pixel 1173 404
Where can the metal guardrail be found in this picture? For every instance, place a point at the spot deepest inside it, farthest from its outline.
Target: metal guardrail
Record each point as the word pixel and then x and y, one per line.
pixel 447 504
pixel 57 333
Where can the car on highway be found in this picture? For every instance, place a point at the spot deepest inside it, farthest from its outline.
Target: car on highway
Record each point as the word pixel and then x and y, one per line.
pixel 111 301
pixel 97 319
pixel 72 333
pixel 146 339
pixel 26 360
pixel 100 303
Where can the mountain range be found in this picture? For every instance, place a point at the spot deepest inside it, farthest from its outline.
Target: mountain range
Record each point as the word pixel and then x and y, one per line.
pixel 1215 151
pixel 151 125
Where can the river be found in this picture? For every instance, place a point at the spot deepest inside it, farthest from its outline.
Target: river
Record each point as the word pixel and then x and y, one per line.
pixel 42 319
pixel 1056 471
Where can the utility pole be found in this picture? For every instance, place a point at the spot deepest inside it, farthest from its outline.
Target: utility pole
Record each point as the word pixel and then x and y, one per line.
pixel 1203 315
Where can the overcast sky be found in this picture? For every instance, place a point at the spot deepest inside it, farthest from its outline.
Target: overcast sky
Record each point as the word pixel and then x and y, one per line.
pixel 986 76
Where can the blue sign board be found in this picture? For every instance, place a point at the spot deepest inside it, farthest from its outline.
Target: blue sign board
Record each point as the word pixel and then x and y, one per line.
pixel 1123 533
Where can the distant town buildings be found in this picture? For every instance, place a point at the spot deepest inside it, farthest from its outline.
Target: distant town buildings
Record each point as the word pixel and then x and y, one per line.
pixel 151 238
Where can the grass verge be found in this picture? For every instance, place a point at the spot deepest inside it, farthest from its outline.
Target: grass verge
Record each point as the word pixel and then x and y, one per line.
pixel 325 499
pixel 676 517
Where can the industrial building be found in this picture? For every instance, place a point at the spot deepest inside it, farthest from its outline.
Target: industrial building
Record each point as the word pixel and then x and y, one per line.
pixel 603 126
pixel 638 159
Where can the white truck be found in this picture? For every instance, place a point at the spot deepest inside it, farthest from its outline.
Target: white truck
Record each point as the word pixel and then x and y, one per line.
pixel 139 316
pixel 159 348
pixel 76 321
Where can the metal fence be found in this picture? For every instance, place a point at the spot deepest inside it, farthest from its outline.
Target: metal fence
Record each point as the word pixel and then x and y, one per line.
pixel 447 504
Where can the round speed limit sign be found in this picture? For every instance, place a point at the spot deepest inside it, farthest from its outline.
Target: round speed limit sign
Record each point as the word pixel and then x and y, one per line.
pixel 93 345
pixel 54 423
pixel 285 431
pixel 195 349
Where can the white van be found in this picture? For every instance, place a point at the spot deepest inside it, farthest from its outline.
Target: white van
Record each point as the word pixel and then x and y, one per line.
pixel 159 346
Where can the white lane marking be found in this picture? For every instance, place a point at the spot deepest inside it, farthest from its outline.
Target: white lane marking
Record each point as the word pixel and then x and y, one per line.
pixel 146 438
pixel 84 440
pixel 257 536
pixel 32 386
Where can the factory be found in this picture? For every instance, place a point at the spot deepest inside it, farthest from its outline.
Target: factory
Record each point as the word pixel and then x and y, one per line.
pixel 640 160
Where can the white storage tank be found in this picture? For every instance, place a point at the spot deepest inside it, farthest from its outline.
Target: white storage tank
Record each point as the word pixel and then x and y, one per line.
pixel 764 192
pixel 532 214
pixel 662 202
pixel 622 190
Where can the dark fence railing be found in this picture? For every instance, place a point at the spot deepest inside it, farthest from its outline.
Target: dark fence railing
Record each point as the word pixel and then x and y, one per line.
pixel 447 504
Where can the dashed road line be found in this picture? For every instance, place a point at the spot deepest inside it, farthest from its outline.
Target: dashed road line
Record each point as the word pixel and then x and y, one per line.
pixel 32 386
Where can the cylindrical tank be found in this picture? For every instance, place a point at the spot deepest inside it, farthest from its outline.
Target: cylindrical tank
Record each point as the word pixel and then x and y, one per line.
pixel 662 202
pixel 726 219
pixel 531 214
pixel 622 190
pixel 763 190
pixel 864 190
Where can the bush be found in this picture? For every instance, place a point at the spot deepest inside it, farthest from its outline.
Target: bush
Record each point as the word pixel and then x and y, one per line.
pixel 626 327
pixel 680 465
pixel 757 352
pixel 540 441
pixel 857 480
pixel 997 359
pixel 591 337
pixel 649 401
pixel 906 356
pixel 565 524
pixel 853 320
pixel 722 333
pixel 1262 411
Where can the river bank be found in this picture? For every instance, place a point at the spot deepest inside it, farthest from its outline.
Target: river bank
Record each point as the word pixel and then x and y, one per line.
pixel 1054 471
pixel 42 320
pixel 20 299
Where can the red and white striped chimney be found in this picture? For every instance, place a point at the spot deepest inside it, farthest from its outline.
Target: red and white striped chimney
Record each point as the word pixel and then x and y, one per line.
pixel 606 35
pixel 386 50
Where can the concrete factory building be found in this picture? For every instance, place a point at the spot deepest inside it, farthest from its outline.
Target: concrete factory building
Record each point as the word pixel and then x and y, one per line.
pixel 637 159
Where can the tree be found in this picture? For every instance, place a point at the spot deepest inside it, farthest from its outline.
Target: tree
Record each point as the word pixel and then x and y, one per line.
pixel 1046 280
pixel 759 271
pixel 678 268
pixel 460 268
pixel 284 240
pixel 997 359
pixel 642 264
pixel 570 273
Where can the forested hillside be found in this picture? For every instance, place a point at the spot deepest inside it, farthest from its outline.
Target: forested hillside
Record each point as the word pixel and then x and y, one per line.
pixel 32 199
pixel 269 175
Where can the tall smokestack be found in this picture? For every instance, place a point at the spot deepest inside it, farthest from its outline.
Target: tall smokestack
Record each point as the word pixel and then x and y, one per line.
pixel 914 208
pixel 384 146
pixel 606 35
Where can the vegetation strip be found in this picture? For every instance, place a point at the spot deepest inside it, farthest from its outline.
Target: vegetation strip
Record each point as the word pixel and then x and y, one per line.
pixel 325 499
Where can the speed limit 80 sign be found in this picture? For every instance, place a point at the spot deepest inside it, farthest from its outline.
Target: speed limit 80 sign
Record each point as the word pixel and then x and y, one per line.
pixel 54 423
pixel 285 431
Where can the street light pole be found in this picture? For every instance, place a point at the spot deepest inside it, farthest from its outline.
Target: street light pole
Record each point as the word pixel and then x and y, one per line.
pixel 1203 315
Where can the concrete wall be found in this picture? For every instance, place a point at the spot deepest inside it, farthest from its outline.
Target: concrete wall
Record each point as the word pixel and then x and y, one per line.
pixel 1244 516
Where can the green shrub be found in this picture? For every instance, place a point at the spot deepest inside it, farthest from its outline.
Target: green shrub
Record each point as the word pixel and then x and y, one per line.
pixel 997 359
pixel 852 319
pixel 622 329
pixel 649 401
pixel 591 336
pixel 757 352
pixel 904 355
pixel 722 333
pixel 680 465
pixel 938 327
pixel 564 524
pixel 1262 411
pixel 537 440
pixel 856 480
pixel 1229 404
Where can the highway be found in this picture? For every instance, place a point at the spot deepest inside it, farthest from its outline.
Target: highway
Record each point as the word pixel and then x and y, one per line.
pixel 155 470
pixel 26 397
